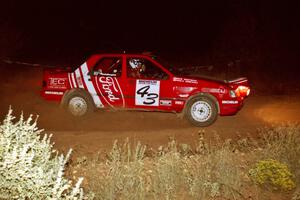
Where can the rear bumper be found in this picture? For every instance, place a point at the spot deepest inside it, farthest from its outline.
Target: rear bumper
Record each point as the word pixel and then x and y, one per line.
pixel 230 107
pixel 52 95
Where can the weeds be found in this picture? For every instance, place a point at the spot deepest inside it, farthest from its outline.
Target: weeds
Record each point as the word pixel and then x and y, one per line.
pixel 175 171
pixel 208 170
pixel 282 144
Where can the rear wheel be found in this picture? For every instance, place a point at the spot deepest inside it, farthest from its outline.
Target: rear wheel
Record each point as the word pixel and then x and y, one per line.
pixel 78 103
pixel 201 111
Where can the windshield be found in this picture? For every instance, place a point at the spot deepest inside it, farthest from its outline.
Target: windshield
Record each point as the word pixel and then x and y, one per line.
pixel 172 68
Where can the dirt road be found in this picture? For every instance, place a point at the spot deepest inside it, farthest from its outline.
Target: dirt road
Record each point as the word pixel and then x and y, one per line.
pixel 98 131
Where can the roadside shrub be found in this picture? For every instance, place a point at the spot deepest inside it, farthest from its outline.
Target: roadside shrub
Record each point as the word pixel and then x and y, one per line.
pixel 170 173
pixel 122 175
pixel 215 173
pixel 214 169
pixel 282 143
pixel 273 173
pixel 167 180
pixel 296 195
pixel 29 167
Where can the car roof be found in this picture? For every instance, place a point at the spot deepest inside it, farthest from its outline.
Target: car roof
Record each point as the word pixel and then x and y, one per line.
pixel 144 54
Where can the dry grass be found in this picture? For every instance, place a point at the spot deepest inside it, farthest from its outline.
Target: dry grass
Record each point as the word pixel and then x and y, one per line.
pixel 208 170
pixel 282 143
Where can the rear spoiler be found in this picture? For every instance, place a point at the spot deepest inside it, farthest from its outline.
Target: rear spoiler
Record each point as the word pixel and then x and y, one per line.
pixel 54 70
pixel 239 81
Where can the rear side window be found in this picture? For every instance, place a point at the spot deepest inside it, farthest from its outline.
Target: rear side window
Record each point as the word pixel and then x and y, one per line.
pixel 109 66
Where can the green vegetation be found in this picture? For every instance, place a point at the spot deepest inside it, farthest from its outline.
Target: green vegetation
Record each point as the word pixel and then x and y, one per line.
pixel 274 173
pixel 29 167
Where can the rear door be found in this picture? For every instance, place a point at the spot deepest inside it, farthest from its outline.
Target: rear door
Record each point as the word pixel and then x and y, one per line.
pixel 148 85
pixel 106 76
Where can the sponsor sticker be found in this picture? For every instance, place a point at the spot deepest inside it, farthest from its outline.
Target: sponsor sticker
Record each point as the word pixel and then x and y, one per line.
pixel 79 81
pixel 147 92
pixel 229 102
pixel 89 84
pixel 78 78
pixel 54 92
pixel 178 79
pixel 165 102
pixel 185 80
pixel 57 83
pixel 179 102
pixel 214 90
pixel 110 90
pixel 183 95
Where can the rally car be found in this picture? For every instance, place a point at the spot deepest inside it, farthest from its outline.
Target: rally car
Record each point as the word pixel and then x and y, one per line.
pixel 141 82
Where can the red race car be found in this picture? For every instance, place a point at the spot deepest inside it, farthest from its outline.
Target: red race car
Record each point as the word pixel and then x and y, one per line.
pixel 140 82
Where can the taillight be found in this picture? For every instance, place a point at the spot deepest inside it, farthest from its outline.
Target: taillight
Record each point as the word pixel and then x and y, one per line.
pixel 242 91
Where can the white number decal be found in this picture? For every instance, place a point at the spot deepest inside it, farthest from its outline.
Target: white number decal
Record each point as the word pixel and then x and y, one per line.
pixel 147 92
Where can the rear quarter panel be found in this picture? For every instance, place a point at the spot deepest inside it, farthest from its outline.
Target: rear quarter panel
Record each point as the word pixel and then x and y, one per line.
pixel 55 83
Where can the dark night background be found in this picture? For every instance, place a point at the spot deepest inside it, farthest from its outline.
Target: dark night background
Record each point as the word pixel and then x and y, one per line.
pixel 263 36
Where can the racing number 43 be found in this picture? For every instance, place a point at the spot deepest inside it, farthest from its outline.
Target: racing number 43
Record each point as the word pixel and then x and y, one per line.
pixel 147 92
pixel 150 97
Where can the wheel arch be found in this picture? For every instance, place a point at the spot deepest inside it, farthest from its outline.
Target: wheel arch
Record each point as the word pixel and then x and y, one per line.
pixel 76 90
pixel 199 94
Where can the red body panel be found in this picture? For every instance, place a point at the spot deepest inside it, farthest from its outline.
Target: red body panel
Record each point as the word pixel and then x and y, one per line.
pixel 121 91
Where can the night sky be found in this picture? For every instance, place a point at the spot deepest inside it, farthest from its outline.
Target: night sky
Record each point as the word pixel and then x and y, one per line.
pixel 262 34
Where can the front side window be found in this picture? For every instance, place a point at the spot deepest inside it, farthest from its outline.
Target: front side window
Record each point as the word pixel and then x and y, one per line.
pixel 141 68
pixel 110 66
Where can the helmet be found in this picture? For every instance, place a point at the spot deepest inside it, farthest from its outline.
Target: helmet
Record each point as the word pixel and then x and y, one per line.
pixel 137 64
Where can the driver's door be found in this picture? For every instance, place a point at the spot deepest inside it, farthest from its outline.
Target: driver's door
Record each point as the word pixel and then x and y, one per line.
pixel 149 87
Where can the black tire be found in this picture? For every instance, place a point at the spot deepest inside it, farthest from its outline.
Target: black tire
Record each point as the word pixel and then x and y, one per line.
pixel 201 111
pixel 78 103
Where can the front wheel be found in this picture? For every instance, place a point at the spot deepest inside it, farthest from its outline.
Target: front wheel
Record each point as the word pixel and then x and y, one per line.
pixel 201 111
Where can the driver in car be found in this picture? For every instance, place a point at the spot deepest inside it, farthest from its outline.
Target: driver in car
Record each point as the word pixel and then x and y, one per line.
pixel 136 68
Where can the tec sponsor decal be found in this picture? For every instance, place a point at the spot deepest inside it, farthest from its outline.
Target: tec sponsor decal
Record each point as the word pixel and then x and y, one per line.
pixel 58 83
pixel 147 92
pixel 110 90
